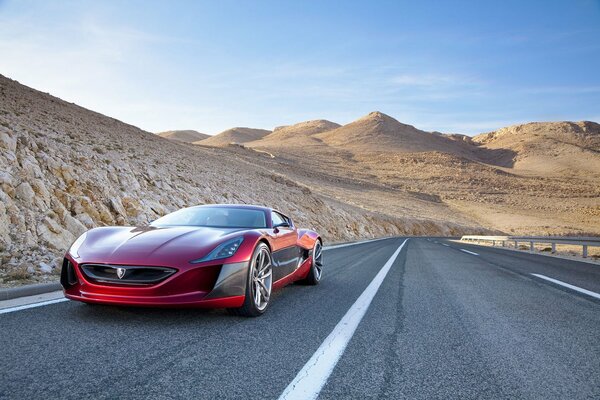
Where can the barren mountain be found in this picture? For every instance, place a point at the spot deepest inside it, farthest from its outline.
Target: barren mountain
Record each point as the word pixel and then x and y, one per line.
pixel 234 136
pixel 539 178
pixel 300 132
pixel 380 132
pixel 558 148
pixel 188 136
pixel 65 169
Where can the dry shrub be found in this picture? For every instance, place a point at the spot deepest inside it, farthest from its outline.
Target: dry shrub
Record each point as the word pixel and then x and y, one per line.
pixel 17 274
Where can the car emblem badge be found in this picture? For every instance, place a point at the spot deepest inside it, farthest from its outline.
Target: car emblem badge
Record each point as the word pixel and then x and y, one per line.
pixel 120 272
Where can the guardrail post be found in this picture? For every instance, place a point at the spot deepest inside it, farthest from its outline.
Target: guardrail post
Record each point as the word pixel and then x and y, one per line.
pixel 531 246
pixel 504 243
pixel 553 248
pixel 585 253
pixel 494 243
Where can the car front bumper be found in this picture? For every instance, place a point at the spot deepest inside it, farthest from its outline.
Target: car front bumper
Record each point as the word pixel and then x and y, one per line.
pixel 210 286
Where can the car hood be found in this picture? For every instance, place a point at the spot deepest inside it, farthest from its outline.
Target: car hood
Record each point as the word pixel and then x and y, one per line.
pixel 161 246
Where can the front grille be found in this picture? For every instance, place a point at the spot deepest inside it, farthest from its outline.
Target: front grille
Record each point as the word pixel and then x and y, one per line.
pixel 126 274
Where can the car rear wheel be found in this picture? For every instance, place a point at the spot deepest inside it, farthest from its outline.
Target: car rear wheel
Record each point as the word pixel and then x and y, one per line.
pixel 259 284
pixel 316 269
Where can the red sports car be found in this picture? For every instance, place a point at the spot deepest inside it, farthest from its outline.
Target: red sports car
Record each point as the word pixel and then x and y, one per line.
pixel 221 256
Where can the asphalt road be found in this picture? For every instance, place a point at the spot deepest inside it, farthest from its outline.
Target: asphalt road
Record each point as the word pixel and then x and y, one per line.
pixel 443 324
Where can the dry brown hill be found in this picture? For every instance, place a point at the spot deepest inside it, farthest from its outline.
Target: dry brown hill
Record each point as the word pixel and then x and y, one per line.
pixel 234 136
pixel 380 132
pixel 65 169
pixel 557 148
pixel 188 136
pixel 301 130
pixel 536 179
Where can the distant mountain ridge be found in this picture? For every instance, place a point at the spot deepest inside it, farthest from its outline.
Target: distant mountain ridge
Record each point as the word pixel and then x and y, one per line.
pixel 188 136
pixel 238 135
pixel 537 146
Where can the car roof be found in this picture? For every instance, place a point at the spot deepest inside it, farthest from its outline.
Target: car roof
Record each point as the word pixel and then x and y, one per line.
pixel 249 206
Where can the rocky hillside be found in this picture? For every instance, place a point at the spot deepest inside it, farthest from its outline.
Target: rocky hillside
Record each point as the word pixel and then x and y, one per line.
pixel 567 148
pixel 234 136
pixel 65 169
pixel 188 136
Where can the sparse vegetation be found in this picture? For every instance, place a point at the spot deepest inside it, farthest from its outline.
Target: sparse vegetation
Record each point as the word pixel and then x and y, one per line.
pixel 17 274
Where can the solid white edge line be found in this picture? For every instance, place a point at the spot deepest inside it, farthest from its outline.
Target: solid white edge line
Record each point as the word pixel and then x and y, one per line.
pixel 568 285
pixel 32 305
pixel 312 377
pixel 337 246
pixel 470 252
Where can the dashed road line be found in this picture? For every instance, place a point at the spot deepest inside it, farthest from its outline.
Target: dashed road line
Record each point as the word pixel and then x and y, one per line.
pixel 569 286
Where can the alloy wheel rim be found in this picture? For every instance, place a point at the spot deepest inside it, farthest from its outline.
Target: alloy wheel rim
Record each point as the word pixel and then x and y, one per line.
pixel 262 279
pixel 318 260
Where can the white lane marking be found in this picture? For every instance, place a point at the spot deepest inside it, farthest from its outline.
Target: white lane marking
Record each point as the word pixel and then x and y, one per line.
pixel 33 305
pixel 444 244
pixel 567 285
pixel 470 252
pixel 313 376
pixel 337 246
pixel 36 298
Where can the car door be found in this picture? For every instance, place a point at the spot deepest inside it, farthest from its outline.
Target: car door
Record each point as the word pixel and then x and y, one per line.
pixel 285 250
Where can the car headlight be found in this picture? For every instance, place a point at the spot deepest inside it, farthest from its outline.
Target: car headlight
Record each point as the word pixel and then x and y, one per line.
pixel 74 249
pixel 224 250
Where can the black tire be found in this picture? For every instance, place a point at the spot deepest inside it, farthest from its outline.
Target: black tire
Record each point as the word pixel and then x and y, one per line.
pixel 256 305
pixel 316 268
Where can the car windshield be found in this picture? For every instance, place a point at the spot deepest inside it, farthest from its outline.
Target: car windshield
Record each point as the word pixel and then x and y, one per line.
pixel 217 217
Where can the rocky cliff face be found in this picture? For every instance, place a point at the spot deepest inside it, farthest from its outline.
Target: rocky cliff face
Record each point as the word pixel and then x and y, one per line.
pixel 65 169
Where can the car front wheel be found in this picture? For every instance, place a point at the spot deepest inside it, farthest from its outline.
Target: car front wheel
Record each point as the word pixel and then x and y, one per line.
pixel 259 283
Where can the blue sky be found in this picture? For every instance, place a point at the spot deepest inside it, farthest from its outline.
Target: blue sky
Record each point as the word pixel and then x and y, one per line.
pixel 465 66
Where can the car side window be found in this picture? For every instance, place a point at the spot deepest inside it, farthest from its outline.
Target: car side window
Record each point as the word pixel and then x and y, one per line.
pixel 277 218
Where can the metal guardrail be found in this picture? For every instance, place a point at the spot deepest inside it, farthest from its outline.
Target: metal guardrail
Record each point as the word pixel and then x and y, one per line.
pixel 584 242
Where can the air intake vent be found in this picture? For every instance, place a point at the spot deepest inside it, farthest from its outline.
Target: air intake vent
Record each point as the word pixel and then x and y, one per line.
pixel 68 277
